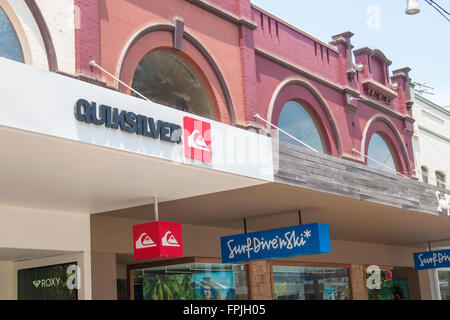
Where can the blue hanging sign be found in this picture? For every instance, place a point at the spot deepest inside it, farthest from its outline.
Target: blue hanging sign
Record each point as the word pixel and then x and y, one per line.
pixel 279 243
pixel 432 260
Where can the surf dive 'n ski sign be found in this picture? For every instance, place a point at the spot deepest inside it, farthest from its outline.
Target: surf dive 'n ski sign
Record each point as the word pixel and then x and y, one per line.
pixel 278 243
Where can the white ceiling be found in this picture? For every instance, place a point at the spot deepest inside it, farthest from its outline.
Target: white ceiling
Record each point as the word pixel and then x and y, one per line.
pixel 8 254
pixel 51 173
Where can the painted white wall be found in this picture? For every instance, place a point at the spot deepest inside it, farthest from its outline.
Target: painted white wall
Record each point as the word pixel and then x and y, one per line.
pixel 430 150
pixel 32 33
pixel 60 17
pixel 27 228
pixel 104 276
pixel 434 153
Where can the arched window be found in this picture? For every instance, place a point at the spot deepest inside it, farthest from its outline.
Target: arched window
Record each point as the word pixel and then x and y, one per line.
pixel 440 179
pixel 166 78
pixel 9 42
pixel 295 120
pixel 381 153
pixel 425 173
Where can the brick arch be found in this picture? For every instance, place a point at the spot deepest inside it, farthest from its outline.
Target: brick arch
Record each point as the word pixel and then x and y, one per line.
pixel 161 37
pixel 383 126
pixel 45 34
pixel 303 92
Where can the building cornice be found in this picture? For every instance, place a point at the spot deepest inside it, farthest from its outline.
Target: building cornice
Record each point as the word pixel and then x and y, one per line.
pixel 432 104
pixel 434 133
pixel 380 107
pixel 380 87
pixel 224 14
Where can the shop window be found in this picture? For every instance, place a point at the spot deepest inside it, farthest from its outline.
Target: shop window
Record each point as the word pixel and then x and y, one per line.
pixel 444 284
pixel 166 78
pixel 440 179
pixel 425 172
pixel 379 155
pixel 57 282
pixel 122 289
pixel 310 283
pixel 382 285
pixel 191 281
pixel 295 120
pixel 9 42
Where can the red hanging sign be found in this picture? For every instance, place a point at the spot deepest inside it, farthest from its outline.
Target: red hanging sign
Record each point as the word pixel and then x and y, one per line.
pixel 157 240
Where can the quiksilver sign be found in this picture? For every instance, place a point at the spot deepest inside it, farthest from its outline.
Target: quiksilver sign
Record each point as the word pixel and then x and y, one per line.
pixel 130 122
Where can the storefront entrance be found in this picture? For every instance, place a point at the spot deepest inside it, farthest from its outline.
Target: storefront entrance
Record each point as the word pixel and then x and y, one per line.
pixel 208 279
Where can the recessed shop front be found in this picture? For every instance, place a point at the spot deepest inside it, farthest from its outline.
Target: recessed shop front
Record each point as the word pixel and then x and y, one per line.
pixel 370 258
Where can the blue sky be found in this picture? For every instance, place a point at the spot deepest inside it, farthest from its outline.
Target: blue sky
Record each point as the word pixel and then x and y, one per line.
pixel 421 42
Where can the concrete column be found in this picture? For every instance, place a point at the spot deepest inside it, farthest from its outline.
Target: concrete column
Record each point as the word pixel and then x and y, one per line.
pixel 7 289
pixel 425 285
pixel 358 282
pixel 104 276
pixel 434 284
pixel 260 280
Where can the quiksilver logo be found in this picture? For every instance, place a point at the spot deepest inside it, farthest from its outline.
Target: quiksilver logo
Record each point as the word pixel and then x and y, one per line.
pixel 169 240
pixel 145 241
pixel 196 141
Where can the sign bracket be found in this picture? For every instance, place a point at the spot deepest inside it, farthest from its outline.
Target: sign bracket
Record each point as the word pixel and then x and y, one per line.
pixel 156 208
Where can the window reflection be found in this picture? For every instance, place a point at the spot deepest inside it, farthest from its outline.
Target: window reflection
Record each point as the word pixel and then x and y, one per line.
pixel 295 120
pixel 388 288
pixel 425 174
pixel 310 283
pixel 191 281
pixel 379 151
pixel 9 42
pixel 444 284
pixel 165 78
pixel 440 179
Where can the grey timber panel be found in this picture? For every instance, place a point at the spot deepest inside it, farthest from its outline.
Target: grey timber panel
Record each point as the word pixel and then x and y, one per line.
pixel 307 169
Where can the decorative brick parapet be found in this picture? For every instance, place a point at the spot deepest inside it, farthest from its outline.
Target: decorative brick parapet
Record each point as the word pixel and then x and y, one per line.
pixel 343 43
pixel 401 78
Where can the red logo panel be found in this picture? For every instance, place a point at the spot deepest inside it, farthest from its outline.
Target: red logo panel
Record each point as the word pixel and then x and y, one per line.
pixel 197 139
pixel 157 240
